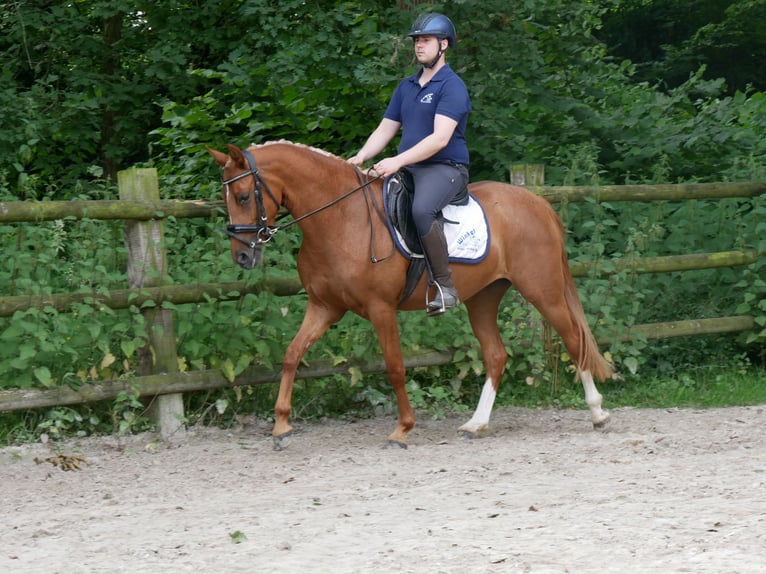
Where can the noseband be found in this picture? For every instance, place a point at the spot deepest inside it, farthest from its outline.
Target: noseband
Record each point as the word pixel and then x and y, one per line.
pixel 262 230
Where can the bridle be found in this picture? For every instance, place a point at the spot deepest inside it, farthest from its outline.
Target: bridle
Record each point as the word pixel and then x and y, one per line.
pixel 262 230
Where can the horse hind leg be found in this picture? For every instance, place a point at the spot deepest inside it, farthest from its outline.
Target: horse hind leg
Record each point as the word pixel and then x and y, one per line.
pixel 478 425
pixel 559 305
pixel 577 341
pixel 590 361
pixel 482 312
pixel 598 416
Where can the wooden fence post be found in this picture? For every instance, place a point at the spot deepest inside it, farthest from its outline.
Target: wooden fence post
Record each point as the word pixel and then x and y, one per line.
pixel 147 267
pixel 524 174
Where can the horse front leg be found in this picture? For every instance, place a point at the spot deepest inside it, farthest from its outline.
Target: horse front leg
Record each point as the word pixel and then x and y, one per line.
pixel 316 320
pixel 387 330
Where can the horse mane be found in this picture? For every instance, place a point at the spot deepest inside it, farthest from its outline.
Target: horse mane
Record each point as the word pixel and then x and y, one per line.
pixel 298 145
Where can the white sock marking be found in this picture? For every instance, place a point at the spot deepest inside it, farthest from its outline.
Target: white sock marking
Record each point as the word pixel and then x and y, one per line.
pixel 480 419
pixel 593 398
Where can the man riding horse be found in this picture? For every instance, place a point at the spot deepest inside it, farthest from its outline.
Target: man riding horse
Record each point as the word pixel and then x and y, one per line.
pixel 431 107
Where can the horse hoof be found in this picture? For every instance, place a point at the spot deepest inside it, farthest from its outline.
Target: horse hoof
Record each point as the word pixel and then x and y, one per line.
pixel 282 441
pixel 395 444
pixel 471 431
pixel 602 424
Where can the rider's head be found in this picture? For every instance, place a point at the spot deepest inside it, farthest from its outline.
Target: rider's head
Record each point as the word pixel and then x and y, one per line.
pixel 437 25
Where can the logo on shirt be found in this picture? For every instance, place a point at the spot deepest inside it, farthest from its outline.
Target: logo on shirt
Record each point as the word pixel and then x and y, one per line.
pixel 427 99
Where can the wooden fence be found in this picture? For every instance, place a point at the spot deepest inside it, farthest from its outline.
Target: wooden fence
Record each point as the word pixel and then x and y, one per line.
pixel 140 207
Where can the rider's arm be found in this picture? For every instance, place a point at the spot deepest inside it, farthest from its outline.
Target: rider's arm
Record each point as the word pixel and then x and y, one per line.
pixel 378 140
pixel 444 127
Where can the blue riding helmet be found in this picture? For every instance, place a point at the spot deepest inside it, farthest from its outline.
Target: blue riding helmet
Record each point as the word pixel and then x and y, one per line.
pixel 434 24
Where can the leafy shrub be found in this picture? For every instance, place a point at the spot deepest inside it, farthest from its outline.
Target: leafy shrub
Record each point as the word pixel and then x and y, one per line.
pixel 323 77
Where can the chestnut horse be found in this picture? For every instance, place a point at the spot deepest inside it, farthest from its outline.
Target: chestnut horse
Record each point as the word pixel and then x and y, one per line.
pixel 347 262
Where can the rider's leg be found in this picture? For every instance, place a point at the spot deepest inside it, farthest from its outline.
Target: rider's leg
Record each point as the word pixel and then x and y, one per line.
pixel 435 186
pixel 435 248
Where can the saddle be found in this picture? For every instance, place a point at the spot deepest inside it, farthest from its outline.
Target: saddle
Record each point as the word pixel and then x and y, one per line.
pixel 400 190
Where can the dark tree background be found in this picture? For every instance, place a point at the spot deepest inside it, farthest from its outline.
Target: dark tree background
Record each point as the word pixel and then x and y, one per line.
pixel 670 39
pixel 89 87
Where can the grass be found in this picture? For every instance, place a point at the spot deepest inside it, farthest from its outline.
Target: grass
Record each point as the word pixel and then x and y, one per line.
pixel 691 389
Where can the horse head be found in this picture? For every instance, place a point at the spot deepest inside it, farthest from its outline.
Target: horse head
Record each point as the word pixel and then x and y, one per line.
pixel 249 215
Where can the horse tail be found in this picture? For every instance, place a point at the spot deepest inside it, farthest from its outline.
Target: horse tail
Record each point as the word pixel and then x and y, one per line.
pixel 590 358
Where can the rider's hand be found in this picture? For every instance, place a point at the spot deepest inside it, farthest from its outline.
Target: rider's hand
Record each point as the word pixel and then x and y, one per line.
pixel 387 166
pixel 356 160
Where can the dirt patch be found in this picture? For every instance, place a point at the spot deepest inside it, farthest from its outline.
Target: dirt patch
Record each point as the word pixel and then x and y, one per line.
pixel 661 491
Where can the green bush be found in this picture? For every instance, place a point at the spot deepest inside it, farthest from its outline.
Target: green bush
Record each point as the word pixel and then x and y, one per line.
pixel 543 89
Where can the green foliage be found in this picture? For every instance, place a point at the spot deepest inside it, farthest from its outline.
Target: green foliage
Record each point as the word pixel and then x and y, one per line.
pixel 93 86
pixel 115 83
pixel 694 386
pixel 52 348
pixel 670 38
pixel 125 415
pixel 313 77
pixel 753 289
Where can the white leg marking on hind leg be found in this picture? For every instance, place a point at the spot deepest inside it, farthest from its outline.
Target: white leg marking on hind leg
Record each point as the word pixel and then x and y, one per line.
pixel 593 398
pixel 480 419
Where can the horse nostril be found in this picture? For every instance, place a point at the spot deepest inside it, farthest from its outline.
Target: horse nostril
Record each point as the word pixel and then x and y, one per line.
pixel 248 259
pixel 244 259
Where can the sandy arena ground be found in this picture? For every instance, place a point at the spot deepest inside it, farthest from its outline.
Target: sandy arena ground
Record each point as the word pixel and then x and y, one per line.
pixel 662 491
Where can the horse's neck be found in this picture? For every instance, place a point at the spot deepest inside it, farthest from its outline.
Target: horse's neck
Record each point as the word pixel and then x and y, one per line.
pixel 333 203
pixel 310 186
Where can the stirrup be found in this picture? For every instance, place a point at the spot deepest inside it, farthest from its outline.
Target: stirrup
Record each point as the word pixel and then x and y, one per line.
pixel 446 298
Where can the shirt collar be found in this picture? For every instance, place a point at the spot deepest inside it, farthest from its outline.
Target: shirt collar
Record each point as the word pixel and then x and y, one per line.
pixel 438 77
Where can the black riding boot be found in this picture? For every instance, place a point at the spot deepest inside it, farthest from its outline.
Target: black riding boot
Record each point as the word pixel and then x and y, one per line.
pixel 435 247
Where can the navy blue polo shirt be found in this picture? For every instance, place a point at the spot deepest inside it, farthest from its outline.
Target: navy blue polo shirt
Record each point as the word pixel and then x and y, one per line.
pixel 415 108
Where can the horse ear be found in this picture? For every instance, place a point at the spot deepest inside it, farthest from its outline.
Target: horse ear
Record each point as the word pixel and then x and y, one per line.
pixel 219 157
pixel 237 156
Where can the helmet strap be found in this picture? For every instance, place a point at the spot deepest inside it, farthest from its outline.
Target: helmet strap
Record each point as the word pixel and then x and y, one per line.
pixel 433 62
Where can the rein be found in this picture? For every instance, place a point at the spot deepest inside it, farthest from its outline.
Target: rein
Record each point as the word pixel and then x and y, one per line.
pixel 262 230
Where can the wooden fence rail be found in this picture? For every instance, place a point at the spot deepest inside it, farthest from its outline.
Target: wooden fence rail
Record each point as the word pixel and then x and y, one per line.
pixel 184 382
pixel 35 211
pixel 287 286
pixel 178 382
pixel 674 192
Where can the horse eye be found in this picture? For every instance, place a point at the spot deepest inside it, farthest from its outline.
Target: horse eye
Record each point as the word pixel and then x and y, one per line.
pixel 243 199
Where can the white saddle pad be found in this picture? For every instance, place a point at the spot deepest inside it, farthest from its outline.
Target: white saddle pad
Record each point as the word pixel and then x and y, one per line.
pixel 467 237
